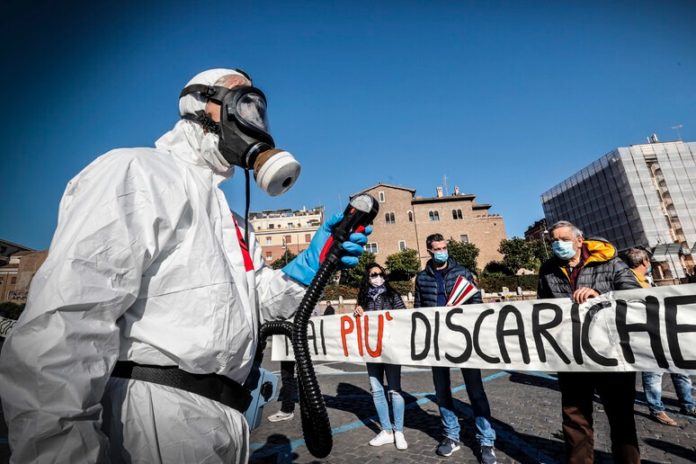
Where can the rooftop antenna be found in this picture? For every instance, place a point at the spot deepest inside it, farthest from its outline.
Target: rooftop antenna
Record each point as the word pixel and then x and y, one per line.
pixel 676 128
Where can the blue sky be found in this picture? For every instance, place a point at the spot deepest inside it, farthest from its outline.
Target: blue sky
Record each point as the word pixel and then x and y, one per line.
pixel 505 99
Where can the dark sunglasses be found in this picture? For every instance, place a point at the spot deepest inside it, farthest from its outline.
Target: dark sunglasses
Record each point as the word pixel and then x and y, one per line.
pixel 376 274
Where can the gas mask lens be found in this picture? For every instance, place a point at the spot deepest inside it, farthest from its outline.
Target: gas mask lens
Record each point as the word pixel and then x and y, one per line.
pixel 251 109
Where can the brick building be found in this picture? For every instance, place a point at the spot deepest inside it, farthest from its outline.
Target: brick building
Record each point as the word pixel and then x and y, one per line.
pixel 283 229
pixel 18 265
pixel 405 220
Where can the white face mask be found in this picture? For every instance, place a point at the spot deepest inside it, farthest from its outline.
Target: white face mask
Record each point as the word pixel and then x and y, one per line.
pixel 377 281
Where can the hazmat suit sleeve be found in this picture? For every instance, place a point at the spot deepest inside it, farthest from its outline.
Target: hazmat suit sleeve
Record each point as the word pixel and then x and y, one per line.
pixel 279 295
pixel 56 362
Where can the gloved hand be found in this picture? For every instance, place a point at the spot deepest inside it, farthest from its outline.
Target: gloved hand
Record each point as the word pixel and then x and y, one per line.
pixel 306 264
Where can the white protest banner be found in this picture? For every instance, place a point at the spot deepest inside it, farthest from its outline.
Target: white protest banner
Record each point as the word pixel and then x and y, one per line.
pixel 651 329
pixel 6 326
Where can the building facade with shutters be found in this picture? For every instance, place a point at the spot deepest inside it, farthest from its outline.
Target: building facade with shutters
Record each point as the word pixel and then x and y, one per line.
pixel 641 195
pixel 285 229
pixel 405 220
pixel 18 264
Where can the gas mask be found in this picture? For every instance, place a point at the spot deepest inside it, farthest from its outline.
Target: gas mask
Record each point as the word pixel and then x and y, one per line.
pixel 244 136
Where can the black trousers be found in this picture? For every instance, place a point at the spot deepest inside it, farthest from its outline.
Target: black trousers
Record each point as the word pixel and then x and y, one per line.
pixel 288 388
pixel 617 390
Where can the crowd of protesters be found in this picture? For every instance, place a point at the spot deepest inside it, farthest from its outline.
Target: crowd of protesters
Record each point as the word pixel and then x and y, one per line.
pixel 580 268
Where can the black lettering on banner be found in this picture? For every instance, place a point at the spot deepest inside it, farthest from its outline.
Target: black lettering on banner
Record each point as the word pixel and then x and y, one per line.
pixel 502 332
pixel 415 317
pixel 541 330
pixel 323 338
pixel 651 326
pixel 436 336
pixel 458 328
pixel 586 346
pixel 313 336
pixel 673 329
pixel 286 340
pixel 575 322
pixel 6 326
pixel 477 330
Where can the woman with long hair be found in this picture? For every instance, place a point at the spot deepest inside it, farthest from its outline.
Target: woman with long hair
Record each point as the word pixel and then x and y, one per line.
pixel 376 294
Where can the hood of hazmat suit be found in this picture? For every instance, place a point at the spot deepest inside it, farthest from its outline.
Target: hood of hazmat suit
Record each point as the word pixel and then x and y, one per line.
pixel 146 265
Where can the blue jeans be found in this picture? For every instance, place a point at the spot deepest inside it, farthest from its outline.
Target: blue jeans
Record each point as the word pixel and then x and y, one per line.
pixel 652 385
pixel 485 434
pixel 393 374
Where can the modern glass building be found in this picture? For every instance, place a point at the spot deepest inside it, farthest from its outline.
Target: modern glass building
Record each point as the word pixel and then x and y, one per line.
pixel 642 195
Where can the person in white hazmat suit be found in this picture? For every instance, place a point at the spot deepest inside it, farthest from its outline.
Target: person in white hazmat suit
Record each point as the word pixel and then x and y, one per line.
pixel 148 273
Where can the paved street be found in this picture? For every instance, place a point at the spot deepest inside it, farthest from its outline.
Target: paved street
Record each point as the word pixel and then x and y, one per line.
pixel 525 407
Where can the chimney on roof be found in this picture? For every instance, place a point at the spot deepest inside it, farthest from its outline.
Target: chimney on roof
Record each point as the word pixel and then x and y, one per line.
pixel 456 190
pixel 439 192
pixel 653 138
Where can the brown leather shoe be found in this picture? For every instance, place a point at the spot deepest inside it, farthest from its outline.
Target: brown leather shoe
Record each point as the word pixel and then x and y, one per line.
pixel 663 418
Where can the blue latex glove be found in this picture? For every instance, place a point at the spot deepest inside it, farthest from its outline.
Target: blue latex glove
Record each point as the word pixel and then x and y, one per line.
pixel 306 264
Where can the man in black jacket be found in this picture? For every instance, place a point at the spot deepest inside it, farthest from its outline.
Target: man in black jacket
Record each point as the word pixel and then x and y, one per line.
pixel 433 285
pixel 582 269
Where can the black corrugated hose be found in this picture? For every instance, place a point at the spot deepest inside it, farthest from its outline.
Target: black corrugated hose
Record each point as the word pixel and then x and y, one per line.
pixel 316 426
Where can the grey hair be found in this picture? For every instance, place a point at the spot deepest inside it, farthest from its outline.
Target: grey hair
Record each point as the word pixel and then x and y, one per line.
pixel 224 79
pixel 576 232
pixel 634 257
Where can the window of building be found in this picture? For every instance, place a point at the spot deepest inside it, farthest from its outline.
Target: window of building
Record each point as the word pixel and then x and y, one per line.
pixel 269 255
pixel 291 225
pixel 372 248
pixel 269 240
pixel 464 238
pixel 389 218
pixel 402 245
pixel 271 226
pixel 381 197
pixel 410 216
pixel 13 280
pixel 307 238
pixel 434 215
pixel 288 239
pixel 456 214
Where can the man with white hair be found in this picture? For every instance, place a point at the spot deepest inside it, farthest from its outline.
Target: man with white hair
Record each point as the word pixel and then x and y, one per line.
pixel 141 326
pixel 582 269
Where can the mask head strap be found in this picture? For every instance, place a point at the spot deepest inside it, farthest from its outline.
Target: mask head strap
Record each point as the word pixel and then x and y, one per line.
pixel 205 121
pixel 209 92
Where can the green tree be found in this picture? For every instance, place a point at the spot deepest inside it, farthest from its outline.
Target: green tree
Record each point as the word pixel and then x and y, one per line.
pixel 540 250
pixel 518 253
pixel 403 265
pixel 353 276
pixel 283 260
pixel 11 310
pixel 496 268
pixel 464 253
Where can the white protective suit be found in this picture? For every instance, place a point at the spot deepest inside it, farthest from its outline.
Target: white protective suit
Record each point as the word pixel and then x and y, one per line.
pixel 145 266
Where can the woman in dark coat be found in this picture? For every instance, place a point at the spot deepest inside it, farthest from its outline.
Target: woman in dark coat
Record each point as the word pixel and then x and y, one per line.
pixel 375 295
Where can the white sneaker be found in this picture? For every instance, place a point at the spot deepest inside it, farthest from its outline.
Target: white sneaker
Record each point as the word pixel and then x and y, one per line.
pixel 382 438
pixel 400 441
pixel 281 416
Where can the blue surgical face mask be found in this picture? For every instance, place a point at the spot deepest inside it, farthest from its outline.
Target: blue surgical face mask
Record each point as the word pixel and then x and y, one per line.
pixel 563 249
pixel 440 257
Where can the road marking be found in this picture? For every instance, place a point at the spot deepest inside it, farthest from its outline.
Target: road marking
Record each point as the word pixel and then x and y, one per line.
pixel 508 437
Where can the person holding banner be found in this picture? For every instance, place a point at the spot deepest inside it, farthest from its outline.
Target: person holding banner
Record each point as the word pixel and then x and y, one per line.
pixel 583 269
pixel 639 262
pixel 442 279
pixel 376 295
